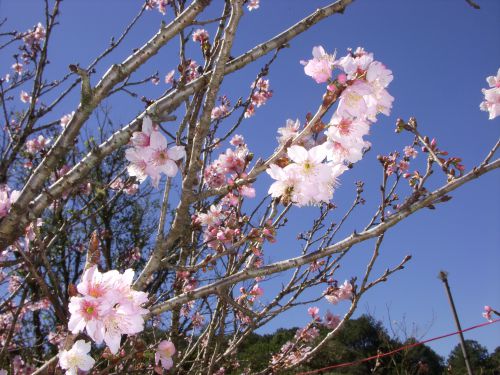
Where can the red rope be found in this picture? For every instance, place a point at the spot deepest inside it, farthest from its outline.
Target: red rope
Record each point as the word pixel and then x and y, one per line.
pixel 346 364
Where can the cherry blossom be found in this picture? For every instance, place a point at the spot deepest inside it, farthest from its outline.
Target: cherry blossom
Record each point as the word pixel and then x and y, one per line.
pixel 7 197
pixel 66 119
pixel 36 145
pixel 150 156
pixel 330 320
pixel 18 68
pixel 77 358
pixel 260 95
pixel 409 151
pixel 161 5
pixel 200 35
pixel 313 311
pixel 335 295
pixel 25 97
pixel 355 63
pixel 169 78
pixel 289 131
pixel 142 138
pixel 108 308
pixel 33 37
pixel 253 4
pixel 491 101
pixel 487 312
pixel 320 66
pixel 164 354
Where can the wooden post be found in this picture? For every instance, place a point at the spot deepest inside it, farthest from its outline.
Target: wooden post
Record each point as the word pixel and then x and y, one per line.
pixel 443 275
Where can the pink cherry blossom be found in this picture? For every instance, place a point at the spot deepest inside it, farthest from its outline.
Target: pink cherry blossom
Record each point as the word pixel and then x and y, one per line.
pixel 237 141
pixel 36 145
pixel 487 312
pixel 320 66
pixel 200 35
pixel 87 314
pixel 343 292
pixel 213 217
pixel 331 321
pixel 164 354
pixel 108 308
pixel 163 159
pixel 340 149
pixel 409 151
pixel 25 97
pixel 289 131
pixel 494 81
pixel 286 184
pixel 17 67
pixel 161 5
pixel 253 4
pixel 7 197
pixel 348 130
pixel 313 311
pixel 66 119
pixel 491 101
pixel 352 102
pixel 142 138
pixel 139 166
pixel 169 78
pixel 355 64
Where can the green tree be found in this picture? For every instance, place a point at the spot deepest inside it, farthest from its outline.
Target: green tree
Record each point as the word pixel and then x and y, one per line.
pixel 480 360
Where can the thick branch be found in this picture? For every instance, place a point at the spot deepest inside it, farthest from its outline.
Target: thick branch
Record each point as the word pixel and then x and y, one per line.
pixel 164 105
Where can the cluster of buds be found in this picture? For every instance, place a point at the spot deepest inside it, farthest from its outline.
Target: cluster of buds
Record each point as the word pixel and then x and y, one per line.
pixel 261 93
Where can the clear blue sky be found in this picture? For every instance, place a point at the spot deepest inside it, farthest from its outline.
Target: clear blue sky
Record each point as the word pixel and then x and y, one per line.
pixel 440 52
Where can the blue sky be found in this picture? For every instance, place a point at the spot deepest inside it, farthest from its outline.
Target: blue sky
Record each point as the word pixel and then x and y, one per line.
pixel 440 53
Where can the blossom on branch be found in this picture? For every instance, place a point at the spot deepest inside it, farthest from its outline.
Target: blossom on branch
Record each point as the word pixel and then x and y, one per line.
pixel 164 353
pixel 77 358
pixel 150 156
pixel 108 308
pixel 491 101
pixel 320 66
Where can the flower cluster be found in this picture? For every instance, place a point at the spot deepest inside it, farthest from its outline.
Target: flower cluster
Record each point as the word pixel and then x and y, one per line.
pixel 288 132
pixel 253 4
pixel 221 110
pixel 200 35
pixel 36 145
pixel 221 226
pixel 487 313
pixel 150 156
pixel 32 38
pixel 108 307
pixel 7 197
pixel 491 101
pixel 190 70
pixel 306 180
pixel 64 121
pixel 293 352
pixel 129 188
pixel 309 173
pixel 229 166
pixel 261 92
pixel 336 294
pixel 161 5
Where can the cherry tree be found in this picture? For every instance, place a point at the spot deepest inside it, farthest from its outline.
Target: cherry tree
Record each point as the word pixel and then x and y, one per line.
pixel 141 248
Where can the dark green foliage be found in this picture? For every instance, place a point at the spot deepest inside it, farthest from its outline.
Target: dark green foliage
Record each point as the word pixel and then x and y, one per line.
pixel 360 338
pixel 481 362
